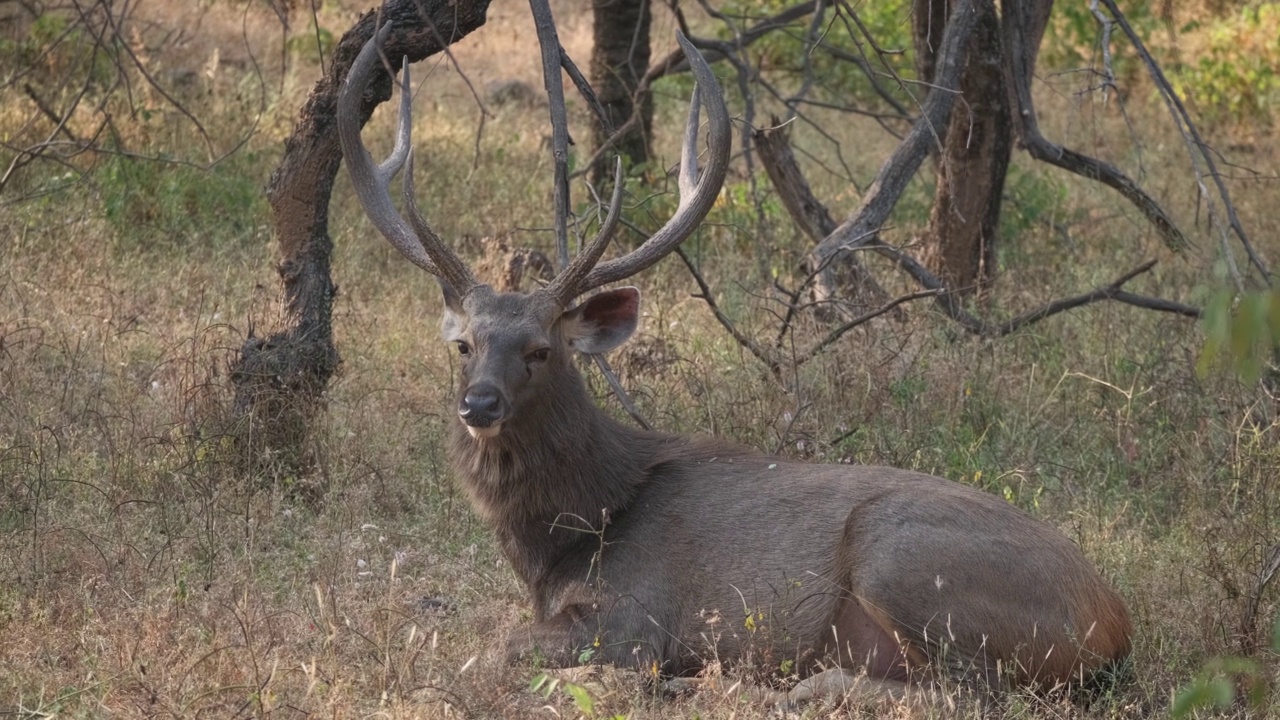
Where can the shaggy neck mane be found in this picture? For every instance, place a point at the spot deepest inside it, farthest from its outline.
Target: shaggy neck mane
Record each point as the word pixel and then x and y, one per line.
pixel 558 469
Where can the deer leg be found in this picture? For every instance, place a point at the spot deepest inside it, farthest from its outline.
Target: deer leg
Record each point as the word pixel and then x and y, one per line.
pixel 755 694
pixel 863 637
pixel 833 686
pixel 560 641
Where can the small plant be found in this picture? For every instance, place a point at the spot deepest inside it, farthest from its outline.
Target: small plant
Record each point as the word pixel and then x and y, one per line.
pixel 1222 680
pixel 1235 78
pixel 1242 332
pixel 1074 34
pixel 546 685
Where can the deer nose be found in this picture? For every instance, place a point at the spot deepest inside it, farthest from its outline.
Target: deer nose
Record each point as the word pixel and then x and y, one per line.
pixel 481 406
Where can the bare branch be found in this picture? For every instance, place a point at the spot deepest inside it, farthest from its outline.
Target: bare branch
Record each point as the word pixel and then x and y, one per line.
pixel 950 306
pixel 894 175
pixel 807 210
pixel 675 62
pixel 584 87
pixel 59 121
pixel 762 353
pixel 128 48
pixel 620 392
pixel 1195 144
pixel 698 190
pixel 839 331
pixel 549 41
pixel 1249 618
pixel 1023 26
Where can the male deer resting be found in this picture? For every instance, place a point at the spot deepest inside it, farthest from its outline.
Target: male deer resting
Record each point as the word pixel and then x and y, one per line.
pixel 630 541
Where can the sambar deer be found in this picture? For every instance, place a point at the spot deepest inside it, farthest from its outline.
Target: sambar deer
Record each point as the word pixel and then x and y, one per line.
pixel 659 551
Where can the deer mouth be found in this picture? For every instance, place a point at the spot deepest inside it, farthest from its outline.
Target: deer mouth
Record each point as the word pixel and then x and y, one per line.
pixel 483 433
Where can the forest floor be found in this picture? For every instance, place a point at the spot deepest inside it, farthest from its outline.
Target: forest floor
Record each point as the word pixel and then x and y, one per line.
pixel 144 572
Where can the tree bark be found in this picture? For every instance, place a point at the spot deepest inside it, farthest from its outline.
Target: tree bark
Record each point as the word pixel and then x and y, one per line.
pixel 280 379
pixel 619 60
pixel 960 242
pixel 858 288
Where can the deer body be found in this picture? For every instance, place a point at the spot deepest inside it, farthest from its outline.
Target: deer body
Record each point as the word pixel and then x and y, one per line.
pixel 662 552
pixel 652 550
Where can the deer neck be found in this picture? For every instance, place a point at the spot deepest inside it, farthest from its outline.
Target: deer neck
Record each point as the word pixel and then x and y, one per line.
pixel 552 473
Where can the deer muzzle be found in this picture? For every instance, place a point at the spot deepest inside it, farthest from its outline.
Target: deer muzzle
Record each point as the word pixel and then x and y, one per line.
pixel 482 410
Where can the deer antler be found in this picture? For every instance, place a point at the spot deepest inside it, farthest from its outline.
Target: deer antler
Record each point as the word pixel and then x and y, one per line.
pixel 564 287
pixel 424 247
pixel 420 244
pixel 697 194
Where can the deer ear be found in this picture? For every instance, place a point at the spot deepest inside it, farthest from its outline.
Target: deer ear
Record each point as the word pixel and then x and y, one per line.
pixel 451 321
pixel 604 321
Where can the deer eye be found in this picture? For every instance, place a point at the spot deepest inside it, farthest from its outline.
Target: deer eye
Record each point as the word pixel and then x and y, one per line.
pixel 463 349
pixel 539 355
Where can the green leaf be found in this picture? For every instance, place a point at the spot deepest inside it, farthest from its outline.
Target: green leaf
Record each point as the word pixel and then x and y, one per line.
pixel 1222 691
pixel 538 681
pixel 581 698
pixel 1217 317
pixel 1273 314
pixel 1275 636
pixel 1193 696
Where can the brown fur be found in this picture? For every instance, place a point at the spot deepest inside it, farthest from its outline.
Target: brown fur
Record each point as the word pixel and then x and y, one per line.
pixel 660 551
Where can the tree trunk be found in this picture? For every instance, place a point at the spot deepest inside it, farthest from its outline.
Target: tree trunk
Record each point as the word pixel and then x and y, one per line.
pixel 619 60
pixel 857 289
pixel 280 380
pixel 960 243
pixel 862 228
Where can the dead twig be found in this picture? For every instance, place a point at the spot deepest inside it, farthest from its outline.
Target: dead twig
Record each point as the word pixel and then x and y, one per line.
pixel 771 359
pixel 1249 618
pixel 839 332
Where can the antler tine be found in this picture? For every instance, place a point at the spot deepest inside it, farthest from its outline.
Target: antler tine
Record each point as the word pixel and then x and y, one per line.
pixel 452 269
pixel 697 194
pixel 425 250
pixel 565 287
pixel 687 181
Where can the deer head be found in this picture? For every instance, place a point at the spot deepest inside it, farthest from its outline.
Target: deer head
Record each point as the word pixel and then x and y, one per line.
pixel 516 346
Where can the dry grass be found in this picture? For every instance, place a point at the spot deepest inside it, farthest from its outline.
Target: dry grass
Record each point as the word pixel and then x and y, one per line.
pixel 142 574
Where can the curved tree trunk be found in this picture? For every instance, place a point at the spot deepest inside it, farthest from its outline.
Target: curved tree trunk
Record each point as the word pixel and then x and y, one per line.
pixel 960 242
pixel 280 379
pixel 619 59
